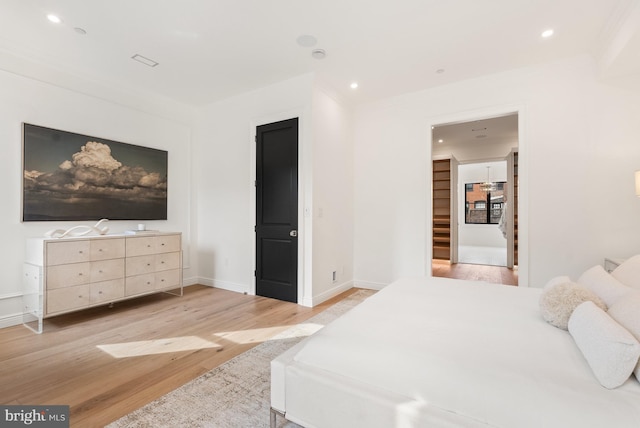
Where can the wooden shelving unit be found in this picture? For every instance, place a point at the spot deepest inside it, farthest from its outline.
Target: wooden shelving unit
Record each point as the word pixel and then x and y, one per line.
pixel 442 209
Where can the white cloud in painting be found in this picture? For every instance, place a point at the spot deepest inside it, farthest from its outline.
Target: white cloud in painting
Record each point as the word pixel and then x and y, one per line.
pixel 93 171
pixel 95 155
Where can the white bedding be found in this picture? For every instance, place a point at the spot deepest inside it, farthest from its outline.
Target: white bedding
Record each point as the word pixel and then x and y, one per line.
pixel 446 353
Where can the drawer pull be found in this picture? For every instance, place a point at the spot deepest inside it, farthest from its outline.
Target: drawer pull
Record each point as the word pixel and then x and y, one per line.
pixel 148 282
pixel 162 262
pixel 80 251
pixel 100 292
pixel 99 271
pixel 162 244
pixel 100 249
pixel 148 264
pixel 149 246
pixel 80 274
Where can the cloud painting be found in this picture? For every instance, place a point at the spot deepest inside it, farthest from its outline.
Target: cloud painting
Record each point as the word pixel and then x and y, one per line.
pixel 70 176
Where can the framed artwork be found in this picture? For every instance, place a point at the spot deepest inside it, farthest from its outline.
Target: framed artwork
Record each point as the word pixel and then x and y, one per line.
pixel 72 177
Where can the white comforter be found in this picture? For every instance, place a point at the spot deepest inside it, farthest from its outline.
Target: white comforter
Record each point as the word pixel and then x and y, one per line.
pixel 447 353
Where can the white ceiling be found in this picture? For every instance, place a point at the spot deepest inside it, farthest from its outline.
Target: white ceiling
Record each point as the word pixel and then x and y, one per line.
pixel 501 131
pixel 211 49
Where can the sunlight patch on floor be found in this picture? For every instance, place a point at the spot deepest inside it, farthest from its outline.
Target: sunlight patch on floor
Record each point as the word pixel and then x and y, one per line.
pixel 194 343
pixel 257 335
pixel 157 346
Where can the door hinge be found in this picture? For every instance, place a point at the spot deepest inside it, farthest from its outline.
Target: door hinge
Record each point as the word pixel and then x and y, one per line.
pixel 255 228
pixel 254 273
pixel 255 138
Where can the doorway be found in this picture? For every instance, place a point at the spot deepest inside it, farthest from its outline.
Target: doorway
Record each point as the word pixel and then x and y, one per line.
pixel 478 248
pixel 482 237
pixel 276 230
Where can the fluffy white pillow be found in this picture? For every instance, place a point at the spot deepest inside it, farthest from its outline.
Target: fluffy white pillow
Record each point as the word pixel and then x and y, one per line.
pixel 557 280
pixel 626 312
pixel 628 272
pixel 610 350
pixel 603 284
pixel 558 302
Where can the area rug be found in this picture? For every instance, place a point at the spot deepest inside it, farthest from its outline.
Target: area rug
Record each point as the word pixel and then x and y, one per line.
pixel 235 394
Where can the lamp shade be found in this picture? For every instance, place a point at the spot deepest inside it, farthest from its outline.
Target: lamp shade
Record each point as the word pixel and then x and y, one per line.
pixel 637 183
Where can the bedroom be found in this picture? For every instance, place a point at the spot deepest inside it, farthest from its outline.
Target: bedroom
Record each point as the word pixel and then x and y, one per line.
pixel 580 148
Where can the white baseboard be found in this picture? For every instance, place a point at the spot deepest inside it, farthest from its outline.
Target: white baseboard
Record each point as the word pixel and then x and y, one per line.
pixel 190 281
pixel 311 301
pixel 10 320
pixel 369 285
pixel 224 285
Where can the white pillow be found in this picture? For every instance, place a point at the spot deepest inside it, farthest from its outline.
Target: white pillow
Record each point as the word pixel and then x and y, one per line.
pixel 603 284
pixel 558 301
pixel 610 350
pixel 626 312
pixel 628 272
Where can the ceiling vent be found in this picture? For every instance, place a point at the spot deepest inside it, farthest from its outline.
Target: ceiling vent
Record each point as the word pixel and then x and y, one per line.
pixel 145 60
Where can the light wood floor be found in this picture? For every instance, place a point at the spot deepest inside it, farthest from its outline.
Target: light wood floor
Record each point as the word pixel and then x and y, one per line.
pixel 161 342
pixel 494 274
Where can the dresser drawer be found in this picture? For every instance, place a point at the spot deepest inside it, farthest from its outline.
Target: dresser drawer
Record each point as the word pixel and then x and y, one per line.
pixel 141 246
pixel 106 291
pixel 146 245
pixel 68 275
pixel 168 244
pixel 67 298
pixel 103 249
pixel 105 270
pixel 59 253
pixel 140 264
pixel 167 261
pixel 168 279
pixel 140 284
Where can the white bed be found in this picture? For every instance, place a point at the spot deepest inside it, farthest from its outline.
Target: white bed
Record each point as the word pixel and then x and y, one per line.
pixel 436 352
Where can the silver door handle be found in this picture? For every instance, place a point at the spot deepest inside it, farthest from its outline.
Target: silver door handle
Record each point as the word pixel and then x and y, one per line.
pixel 293 233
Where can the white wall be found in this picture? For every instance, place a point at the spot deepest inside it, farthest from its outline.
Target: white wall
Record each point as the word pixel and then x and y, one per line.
pixel 25 99
pixel 482 235
pixel 224 167
pixel 224 164
pixel 332 197
pixel 578 151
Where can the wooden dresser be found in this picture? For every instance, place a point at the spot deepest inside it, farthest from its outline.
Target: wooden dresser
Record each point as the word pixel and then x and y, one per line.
pixel 69 274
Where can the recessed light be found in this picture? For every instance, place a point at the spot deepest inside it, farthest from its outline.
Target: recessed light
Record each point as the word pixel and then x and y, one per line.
pixel 440 141
pixel 547 33
pixel 354 85
pixel 318 53
pixel 145 60
pixel 54 18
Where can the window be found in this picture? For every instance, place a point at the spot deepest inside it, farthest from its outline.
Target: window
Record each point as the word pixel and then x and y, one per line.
pixel 477 202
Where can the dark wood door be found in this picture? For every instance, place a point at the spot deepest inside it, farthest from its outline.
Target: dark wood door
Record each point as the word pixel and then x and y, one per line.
pixel 277 210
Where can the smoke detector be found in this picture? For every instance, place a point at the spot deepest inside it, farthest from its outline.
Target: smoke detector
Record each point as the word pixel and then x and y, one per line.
pixel 318 53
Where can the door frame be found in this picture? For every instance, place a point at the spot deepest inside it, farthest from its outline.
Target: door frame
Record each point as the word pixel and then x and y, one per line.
pixel 523 179
pixel 304 232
